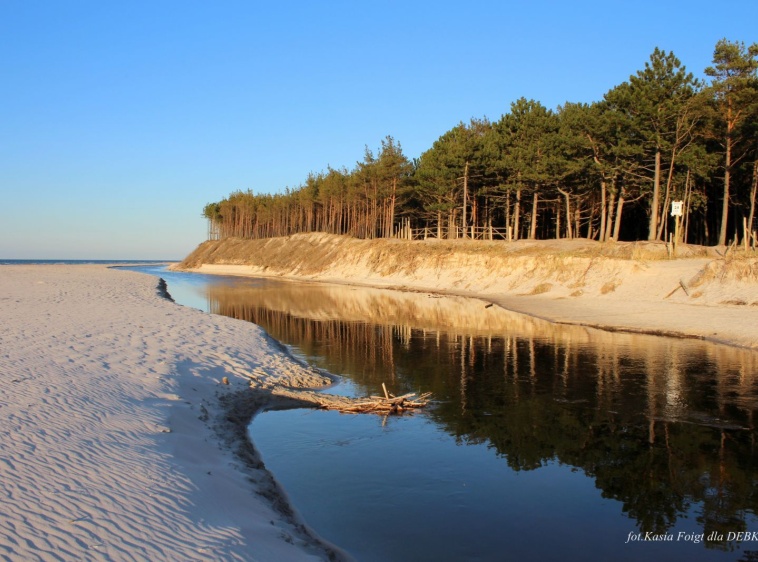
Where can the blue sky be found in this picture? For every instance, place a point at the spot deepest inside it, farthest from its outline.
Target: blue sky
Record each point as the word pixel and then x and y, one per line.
pixel 119 121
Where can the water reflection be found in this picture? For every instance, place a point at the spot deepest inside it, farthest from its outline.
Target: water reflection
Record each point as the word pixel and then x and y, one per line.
pixel 664 426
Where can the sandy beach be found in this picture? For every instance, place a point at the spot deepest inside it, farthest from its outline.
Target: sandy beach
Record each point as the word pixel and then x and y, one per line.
pixel 121 442
pixel 115 442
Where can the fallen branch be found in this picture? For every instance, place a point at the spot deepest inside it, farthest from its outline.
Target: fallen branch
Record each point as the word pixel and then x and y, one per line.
pixel 388 404
pixel 682 285
pixel 378 404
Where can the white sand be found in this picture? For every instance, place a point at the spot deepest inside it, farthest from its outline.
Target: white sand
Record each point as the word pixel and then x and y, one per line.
pixel 112 442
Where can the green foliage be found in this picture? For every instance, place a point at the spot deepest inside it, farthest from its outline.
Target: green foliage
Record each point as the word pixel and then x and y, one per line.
pixel 527 138
pixel 657 137
pixel 734 96
pixel 734 70
pixel 442 168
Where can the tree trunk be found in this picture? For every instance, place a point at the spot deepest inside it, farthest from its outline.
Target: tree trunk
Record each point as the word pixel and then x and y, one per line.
pixel 687 197
pixel 465 198
pixel 569 233
pixel 602 209
pixel 653 230
pixel 619 208
pixel 474 216
pixel 667 196
pixel 608 235
pixel 727 176
pixel 516 215
pixel 753 190
pixel 391 221
pixel 533 227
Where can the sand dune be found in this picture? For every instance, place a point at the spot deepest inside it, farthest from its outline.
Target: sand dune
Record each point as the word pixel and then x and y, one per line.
pixel 109 422
pixel 622 286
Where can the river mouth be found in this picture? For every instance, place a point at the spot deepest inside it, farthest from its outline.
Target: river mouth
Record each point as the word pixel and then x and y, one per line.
pixel 543 440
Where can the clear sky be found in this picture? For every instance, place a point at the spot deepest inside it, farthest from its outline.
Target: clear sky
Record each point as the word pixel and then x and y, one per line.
pixel 119 121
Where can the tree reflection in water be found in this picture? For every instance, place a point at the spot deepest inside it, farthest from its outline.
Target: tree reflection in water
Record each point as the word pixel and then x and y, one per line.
pixel 664 426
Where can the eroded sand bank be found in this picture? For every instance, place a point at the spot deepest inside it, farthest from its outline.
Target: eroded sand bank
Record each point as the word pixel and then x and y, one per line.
pixel 622 286
pixel 645 298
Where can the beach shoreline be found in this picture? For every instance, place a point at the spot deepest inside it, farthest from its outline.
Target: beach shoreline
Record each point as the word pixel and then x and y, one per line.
pixel 103 371
pixel 120 440
pixel 635 287
pixel 628 311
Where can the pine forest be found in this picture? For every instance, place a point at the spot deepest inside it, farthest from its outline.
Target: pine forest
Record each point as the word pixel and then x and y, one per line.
pixel 608 170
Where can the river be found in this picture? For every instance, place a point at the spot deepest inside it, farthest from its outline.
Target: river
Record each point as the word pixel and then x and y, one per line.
pixel 544 442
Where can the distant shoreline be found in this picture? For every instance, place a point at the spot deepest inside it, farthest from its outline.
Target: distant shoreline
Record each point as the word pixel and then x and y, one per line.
pixel 83 262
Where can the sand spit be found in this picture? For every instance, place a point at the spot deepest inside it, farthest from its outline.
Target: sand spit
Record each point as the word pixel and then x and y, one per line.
pixel 118 440
pixel 624 286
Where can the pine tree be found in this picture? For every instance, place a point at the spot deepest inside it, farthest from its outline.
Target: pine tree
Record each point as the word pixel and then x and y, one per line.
pixel 734 91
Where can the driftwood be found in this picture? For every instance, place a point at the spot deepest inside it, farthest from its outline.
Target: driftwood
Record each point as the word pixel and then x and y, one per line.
pixel 387 404
pixel 381 405
pixel 682 285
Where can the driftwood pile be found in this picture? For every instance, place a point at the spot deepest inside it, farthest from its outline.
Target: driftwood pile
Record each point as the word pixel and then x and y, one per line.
pixel 386 405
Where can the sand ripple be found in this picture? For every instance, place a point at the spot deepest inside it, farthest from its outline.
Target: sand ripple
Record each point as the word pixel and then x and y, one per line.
pixel 106 391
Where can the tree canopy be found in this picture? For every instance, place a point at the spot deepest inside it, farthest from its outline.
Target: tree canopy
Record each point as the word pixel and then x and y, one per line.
pixel 576 171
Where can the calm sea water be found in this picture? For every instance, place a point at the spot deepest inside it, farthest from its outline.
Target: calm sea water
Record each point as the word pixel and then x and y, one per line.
pixel 79 262
pixel 545 442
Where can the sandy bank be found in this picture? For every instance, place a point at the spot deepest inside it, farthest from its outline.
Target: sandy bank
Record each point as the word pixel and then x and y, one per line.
pixel 118 440
pixel 630 287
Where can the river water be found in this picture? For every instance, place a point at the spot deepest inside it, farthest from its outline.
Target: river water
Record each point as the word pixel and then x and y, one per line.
pixel 544 442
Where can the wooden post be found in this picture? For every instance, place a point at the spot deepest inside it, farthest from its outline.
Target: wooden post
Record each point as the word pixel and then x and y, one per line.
pixel 676 233
pixel 465 198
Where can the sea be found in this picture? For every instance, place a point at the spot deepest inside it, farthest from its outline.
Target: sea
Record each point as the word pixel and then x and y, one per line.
pixel 80 262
